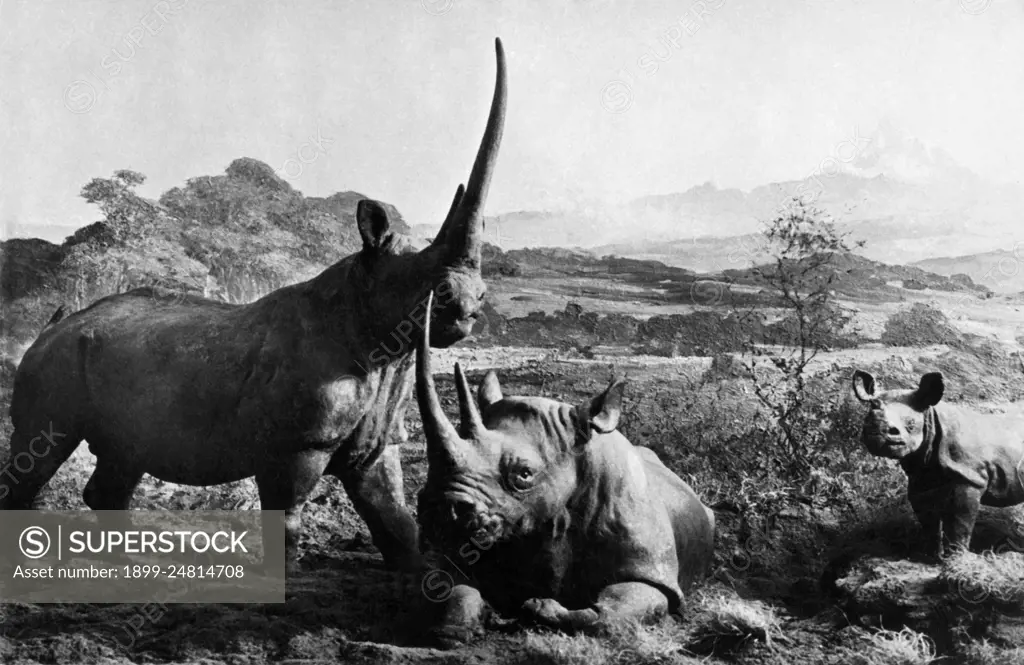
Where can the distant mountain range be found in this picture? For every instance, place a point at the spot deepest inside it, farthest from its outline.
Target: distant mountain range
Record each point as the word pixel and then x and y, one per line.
pixel 1001 270
pixel 908 201
pixel 911 203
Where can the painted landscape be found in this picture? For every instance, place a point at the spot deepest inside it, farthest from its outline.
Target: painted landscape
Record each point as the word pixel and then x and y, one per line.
pixel 697 348
pixel 681 200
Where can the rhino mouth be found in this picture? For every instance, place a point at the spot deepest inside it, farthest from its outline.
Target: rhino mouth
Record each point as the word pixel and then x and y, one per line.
pixel 880 439
pixel 444 336
pixel 882 444
pixel 452 524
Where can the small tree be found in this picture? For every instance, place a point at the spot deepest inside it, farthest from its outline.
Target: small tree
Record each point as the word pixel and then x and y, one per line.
pixel 803 246
pixel 125 213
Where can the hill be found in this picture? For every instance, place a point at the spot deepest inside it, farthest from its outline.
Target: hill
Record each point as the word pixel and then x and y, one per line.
pixel 908 200
pixel 1001 270
pixel 234 236
pixel 856 276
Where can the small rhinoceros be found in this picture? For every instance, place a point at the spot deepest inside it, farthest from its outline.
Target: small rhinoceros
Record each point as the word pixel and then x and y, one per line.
pixel 550 515
pixel 956 461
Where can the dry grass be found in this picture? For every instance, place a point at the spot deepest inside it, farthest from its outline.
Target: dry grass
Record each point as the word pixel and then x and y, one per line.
pixel 702 433
pixel 987 576
pixel 984 653
pixel 889 647
pixel 631 644
pixel 725 623
pixel 903 647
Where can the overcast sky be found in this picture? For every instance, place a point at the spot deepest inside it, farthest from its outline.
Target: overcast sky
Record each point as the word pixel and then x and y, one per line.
pixel 745 92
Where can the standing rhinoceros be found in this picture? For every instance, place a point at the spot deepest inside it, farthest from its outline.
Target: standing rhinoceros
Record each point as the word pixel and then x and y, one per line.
pixel 304 381
pixel 955 461
pixel 545 510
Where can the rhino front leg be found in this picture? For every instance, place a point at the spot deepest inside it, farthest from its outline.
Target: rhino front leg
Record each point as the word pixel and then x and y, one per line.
pixel 617 603
pixel 461 618
pixel 379 497
pixel 958 523
pixel 929 514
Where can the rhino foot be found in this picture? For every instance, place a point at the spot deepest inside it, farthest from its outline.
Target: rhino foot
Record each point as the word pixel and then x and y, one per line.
pixel 544 611
pixel 461 619
pixel 549 613
pixel 501 624
pixel 450 637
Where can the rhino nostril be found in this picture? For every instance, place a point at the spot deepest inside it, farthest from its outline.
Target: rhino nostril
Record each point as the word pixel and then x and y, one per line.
pixel 462 510
pixel 893 431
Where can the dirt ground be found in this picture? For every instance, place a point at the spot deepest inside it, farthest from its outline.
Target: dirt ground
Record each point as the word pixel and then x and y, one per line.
pixel 345 607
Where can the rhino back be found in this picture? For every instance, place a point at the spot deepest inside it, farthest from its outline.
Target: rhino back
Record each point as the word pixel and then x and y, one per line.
pixel 693 523
pixel 167 379
pixel 649 524
pixel 985 450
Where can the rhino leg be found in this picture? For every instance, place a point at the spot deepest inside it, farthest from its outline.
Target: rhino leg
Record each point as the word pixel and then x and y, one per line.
pixel 958 523
pixel 285 484
pixel 112 484
pixel 461 619
pixel 110 488
pixel 929 514
pixel 35 458
pixel 379 497
pixel 617 603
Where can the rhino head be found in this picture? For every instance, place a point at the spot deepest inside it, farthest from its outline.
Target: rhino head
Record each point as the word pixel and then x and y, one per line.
pixel 512 465
pixel 391 279
pixel 897 421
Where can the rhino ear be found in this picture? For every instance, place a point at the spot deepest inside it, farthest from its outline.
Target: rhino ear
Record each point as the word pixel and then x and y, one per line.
pixel 374 225
pixel 930 390
pixel 490 391
pixel 606 408
pixel 864 386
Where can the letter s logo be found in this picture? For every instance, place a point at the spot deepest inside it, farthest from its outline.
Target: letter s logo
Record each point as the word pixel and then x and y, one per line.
pixel 34 542
pixel 437 586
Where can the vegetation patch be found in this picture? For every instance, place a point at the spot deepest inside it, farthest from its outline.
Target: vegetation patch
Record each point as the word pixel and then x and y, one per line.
pixel 920 325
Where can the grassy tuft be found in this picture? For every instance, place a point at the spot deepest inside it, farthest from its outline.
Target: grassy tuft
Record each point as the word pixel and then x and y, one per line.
pixel 903 647
pixel 986 576
pixel 984 653
pixel 726 623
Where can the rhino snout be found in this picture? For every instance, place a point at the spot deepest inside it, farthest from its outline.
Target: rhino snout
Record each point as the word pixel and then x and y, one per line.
pixel 464 512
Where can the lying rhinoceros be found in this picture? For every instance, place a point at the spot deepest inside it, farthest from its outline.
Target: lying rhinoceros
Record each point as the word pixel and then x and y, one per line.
pixel 955 461
pixel 546 512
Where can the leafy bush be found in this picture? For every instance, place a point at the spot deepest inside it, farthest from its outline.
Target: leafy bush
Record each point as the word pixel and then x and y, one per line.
pixel 804 247
pixel 920 325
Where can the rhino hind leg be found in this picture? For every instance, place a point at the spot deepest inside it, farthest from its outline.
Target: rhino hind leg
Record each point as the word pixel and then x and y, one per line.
pixel 35 458
pixel 285 484
pixel 111 488
pixel 379 497
pixel 112 484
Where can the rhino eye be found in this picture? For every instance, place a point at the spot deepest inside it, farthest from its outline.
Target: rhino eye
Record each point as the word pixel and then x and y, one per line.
pixel 520 478
pixel 911 426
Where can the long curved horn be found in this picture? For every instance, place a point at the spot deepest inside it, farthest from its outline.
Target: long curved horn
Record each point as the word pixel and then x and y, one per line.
pixel 472 424
pixel 443 442
pixel 465 239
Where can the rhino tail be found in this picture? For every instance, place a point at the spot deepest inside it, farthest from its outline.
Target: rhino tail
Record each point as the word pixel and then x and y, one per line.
pixel 56 318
